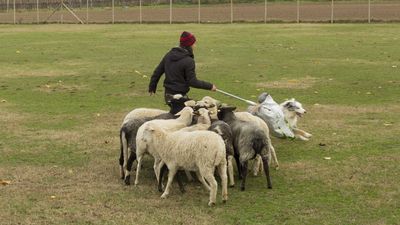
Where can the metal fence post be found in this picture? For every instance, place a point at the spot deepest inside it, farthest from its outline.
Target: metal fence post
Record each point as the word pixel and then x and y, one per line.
pixel 113 11
pixel 199 12
pixel 369 11
pixel 170 11
pixel 332 11
pixel 37 11
pixel 14 10
pixel 140 11
pixel 298 11
pixel 265 10
pixel 231 11
pixel 87 11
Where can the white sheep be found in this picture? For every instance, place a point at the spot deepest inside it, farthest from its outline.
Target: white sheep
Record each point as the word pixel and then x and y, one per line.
pixel 200 151
pixel 142 147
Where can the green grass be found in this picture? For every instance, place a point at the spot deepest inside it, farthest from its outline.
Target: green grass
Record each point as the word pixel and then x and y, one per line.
pixel 67 87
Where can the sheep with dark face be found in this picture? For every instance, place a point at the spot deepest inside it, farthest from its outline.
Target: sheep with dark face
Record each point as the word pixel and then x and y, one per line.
pixel 248 141
pixel 128 134
pixel 131 123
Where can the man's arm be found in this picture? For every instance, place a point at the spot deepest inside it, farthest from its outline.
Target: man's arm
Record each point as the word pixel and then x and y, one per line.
pixel 190 72
pixel 158 72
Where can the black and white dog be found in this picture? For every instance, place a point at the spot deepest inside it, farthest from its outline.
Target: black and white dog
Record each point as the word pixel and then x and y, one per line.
pixel 293 110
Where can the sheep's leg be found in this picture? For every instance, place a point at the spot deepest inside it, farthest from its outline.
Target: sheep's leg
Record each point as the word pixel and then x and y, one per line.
pixel 244 175
pixel 224 180
pixel 201 179
pixel 209 176
pixel 131 159
pixel 230 171
pixel 138 167
pixel 180 183
pixel 160 180
pixel 158 164
pixel 266 170
pixel 189 176
pixel 125 154
pixel 272 149
pixel 171 175
pixel 239 166
pixel 256 165
pixel 121 162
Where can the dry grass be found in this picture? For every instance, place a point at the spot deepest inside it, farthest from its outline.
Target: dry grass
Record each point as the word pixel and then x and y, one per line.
pixel 12 72
pixel 302 83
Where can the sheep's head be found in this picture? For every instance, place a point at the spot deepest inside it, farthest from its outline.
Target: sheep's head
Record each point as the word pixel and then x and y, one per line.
pixel 226 111
pixel 186 114
pixel 190 103
pixel 211 104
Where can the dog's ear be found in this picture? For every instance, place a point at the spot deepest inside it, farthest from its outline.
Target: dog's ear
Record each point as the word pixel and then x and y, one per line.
pixel 288 104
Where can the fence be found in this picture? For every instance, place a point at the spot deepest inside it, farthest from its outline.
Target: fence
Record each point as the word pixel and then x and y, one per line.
pixel 196 11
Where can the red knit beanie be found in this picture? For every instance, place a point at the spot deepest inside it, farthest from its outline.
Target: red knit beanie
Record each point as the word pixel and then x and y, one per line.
pixel 187 39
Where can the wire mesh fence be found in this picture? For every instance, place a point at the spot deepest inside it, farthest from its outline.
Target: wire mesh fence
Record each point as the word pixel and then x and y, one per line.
pixel 197 11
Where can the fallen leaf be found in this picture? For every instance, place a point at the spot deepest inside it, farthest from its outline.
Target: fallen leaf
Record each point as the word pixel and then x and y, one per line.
pixel 17 52
pixel 315 92
pixel 3 100
pixel 327 158
pixel 53 197
pixel 98 114
pixel 5 182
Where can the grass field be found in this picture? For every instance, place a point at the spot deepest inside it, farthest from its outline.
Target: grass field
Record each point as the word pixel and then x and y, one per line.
pixel 64 90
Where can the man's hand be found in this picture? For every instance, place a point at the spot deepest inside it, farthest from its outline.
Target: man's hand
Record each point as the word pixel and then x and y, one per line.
pixel 151 93
pixel 214 88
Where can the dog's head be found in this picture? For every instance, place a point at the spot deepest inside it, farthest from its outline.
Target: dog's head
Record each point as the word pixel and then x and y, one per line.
pixel 294 106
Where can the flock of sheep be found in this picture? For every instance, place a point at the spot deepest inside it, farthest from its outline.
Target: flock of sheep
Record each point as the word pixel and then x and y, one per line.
pixel 203 136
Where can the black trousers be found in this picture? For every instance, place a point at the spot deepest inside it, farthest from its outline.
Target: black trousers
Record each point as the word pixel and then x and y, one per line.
pixel 175 105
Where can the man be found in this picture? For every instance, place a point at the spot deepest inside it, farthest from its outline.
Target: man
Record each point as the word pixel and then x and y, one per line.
pixel 179 68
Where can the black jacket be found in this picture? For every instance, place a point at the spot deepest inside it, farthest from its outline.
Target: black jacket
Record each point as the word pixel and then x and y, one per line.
pixel 179 68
